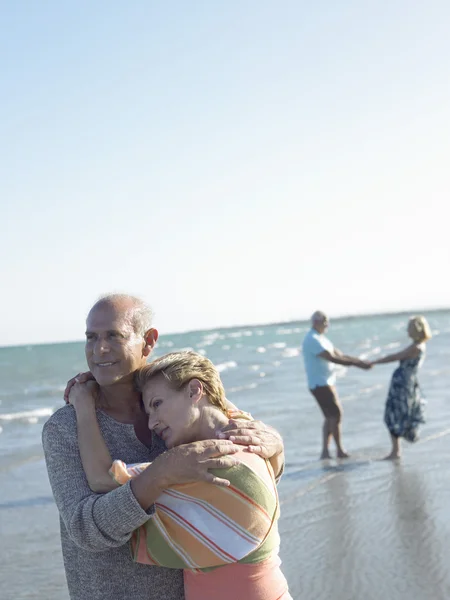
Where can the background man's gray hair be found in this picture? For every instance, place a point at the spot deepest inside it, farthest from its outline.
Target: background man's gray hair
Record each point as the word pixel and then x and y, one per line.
pixel 140 313
pixel 319 317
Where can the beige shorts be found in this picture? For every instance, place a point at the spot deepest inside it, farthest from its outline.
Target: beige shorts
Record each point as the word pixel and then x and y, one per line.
pixel 328 401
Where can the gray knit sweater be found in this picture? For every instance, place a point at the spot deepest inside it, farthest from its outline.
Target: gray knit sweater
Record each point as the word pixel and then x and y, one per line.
pixel 95 528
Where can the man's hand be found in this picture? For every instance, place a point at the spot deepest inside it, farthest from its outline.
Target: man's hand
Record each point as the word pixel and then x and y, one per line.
pixel 191 462
pixel 80 378
pixel 258 437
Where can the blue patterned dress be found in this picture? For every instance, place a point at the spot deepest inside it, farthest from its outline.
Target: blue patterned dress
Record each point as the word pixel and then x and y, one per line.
pixel 404 411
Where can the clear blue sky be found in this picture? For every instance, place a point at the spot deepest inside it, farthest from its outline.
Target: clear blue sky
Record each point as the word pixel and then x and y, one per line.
pixel 232 162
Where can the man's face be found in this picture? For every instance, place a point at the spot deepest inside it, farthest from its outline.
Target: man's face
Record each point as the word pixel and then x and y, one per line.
pixel 322 324
pixel 113 350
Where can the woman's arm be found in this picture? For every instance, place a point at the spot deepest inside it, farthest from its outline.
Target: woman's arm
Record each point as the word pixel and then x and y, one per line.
pixel 94 453
pixel 409 352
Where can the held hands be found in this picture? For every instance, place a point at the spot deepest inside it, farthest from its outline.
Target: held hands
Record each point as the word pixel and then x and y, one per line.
pixel 363 364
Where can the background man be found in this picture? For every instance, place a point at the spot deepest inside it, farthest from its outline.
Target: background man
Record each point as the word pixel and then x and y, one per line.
pixel 318 355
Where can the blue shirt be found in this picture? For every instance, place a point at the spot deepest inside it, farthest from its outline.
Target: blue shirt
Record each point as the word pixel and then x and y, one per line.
pixel 318 370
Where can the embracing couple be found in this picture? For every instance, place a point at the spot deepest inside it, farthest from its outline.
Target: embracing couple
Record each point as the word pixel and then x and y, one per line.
pixel 164 488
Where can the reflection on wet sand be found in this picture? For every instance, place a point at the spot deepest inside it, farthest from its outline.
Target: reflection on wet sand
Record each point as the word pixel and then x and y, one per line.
pixel 369 530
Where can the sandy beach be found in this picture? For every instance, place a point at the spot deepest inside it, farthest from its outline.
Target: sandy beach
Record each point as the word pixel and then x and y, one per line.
pixel 362 528
pixel 371 529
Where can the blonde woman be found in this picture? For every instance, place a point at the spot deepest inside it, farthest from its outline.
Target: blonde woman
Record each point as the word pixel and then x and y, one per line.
pixel 224 535
pixel 404 411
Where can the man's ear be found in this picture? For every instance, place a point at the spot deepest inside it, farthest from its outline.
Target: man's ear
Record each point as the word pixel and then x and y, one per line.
pixel 150 338
pixel 195 388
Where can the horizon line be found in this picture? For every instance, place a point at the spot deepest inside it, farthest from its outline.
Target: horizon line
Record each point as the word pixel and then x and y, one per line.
pixel 341 317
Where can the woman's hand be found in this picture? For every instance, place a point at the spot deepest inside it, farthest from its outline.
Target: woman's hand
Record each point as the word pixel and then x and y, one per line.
pixel 83 395
pixel 80 378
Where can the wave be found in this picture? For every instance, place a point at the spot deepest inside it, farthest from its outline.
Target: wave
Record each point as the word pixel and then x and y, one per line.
pixel 221 367
pixel 291 352
pixel 30 416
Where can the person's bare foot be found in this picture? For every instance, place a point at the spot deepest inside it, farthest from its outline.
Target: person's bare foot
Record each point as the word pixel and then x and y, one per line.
pixel 342 454
pixel 325 455
pixel 392 456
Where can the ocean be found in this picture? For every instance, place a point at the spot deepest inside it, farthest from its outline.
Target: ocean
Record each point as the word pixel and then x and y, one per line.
pixel 360 528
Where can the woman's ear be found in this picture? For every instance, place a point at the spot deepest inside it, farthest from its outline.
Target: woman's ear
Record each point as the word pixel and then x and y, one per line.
pixel 195 388
pixel 150 338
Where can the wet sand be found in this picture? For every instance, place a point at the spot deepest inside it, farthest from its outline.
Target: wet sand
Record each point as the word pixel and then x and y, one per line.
pixel 350 530
pixel 370 529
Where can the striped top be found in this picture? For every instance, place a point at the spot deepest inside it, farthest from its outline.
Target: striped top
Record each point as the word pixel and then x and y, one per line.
pixel 199 526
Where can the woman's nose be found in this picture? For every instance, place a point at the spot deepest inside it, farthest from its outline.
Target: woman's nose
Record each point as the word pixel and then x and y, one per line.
pixel 152 421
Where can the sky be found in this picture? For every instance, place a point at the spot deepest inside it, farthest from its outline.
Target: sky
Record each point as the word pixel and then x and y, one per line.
pixel 236 162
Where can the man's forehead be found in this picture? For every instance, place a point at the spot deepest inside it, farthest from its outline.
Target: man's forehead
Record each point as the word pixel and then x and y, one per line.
pixel 108 317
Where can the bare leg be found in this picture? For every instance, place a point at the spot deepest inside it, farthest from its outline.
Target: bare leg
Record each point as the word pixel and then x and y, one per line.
pixel 328 401
pixel 326 438
pixel 396 449
pixel 335 426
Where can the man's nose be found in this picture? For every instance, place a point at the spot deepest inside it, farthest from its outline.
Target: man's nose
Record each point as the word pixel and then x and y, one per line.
pixel 101 347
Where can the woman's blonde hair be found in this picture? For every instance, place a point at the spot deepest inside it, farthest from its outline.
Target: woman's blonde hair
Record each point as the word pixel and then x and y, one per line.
pixel 179 368
pixel 420 330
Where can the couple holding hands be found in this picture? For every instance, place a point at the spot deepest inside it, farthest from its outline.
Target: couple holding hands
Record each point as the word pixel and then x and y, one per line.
pixel 404 410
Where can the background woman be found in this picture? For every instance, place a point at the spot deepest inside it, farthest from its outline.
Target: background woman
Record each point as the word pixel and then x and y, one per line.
pixel 404 410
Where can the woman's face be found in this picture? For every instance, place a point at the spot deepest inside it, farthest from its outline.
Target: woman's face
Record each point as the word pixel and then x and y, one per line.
pixel 171 414
pixel 411 329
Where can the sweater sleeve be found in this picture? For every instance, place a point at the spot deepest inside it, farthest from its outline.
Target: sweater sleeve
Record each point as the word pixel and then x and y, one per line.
pixel 95 522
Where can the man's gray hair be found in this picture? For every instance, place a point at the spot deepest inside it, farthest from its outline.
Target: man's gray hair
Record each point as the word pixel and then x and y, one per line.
pixel 140 313
pixel 319 317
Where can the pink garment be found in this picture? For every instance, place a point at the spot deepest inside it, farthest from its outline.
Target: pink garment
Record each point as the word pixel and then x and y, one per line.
pixel 261 581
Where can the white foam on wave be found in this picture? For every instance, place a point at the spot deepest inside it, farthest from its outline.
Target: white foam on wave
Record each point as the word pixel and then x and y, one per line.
pixel 210 339
pixel 261 349
pixel 37 390
pixel 370 388
pixel 291 352
pixel 254 368
pixel 226 347
pixel 393 345
pixel 340 371
pixel 240 388
pixel 221 367
pixel 289 330
pixel 370 354
pixel 31 416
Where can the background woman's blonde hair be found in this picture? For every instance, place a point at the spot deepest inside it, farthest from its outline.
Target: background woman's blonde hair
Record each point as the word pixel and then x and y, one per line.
pixel 420 330
pixel 179 368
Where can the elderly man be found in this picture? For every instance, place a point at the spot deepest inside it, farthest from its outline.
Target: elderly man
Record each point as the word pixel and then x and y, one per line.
pixel 95 528
pixel 319 354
